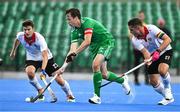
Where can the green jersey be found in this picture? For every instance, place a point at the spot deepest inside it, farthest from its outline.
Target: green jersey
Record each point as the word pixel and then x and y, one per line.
pixel 100 35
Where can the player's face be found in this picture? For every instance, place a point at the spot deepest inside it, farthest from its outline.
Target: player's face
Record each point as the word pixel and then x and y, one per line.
pixel 72 21
pixel 141 16
pixel 136 31
pixel 28 30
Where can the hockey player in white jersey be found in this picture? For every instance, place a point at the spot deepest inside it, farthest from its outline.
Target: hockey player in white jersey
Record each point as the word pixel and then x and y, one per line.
pixel 38 56
pixel 153 42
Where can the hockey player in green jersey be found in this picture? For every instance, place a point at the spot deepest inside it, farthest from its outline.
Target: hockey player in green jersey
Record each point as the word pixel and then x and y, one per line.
pixel 101 44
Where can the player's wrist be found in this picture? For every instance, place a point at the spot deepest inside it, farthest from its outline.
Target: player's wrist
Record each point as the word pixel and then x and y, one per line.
pixel 158 50
pixel 43 72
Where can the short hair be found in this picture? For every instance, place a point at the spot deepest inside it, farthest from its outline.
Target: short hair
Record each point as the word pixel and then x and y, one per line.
pixel 74 12
pixel 28 23
pixel 141 11
pixel 135 22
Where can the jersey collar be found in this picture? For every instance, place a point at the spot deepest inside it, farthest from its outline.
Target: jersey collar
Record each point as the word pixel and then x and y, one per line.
pixel 146 32
pixel 31 40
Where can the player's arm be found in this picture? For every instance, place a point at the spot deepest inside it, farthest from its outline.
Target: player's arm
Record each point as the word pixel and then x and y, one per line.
pixel 72 50
pixel 44 62
pixel 73 47
pixel 44 53
pixel 70 57
pixel 166 41
pixel 44 59
pixel 161 35
pixel 14 48
pixel 137 45
pixel 145 53
pixel 84 44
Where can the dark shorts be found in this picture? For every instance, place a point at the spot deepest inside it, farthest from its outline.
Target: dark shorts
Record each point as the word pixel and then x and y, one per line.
pixel 164 58
pixel 50 68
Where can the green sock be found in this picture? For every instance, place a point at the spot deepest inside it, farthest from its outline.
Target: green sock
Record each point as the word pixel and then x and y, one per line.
pixel 112 76
pixel 97 79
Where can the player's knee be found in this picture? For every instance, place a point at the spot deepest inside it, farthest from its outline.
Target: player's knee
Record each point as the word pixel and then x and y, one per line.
pixel 96 67
pixel 153 82
pixel 104 76
pixel 60 80
pixel 163 68
pixel 30 73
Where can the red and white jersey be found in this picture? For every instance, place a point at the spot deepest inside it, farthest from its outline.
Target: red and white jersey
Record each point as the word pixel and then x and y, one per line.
pixel 152 39
pixel 34 50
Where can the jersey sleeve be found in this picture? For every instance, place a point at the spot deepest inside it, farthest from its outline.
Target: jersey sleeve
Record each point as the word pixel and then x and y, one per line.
pixel 156 31
pixel 42 42
pixel 19 35
pixel 137 43
pixel 88 26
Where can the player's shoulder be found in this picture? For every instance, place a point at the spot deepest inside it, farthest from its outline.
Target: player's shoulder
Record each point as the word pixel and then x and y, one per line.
pixel 84 19
pixel 151 27
pixel 133 38
pixel 87 20
pixel 38 35
pixel 20 34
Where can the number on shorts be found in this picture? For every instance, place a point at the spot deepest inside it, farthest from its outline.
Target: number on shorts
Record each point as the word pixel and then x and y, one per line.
pixel 55 65
pixel 167 57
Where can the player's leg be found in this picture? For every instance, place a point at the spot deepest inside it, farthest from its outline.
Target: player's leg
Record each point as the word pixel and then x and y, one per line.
pixel 154 78
pixel 156 83
pixel 163 69
pixel 51 69
pixel 97 78
pixel 110 76
pixel 30 71
pixel 168 98
pixel 66 88
pixel 158 68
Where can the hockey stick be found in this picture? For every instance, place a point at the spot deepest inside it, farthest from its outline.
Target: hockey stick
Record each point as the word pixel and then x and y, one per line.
pixel 131 70
pixel 54 98
pixel 35 98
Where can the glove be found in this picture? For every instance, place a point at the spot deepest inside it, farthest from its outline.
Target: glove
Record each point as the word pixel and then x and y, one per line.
pixel 70 57
pixel 43 72
pixel 155 55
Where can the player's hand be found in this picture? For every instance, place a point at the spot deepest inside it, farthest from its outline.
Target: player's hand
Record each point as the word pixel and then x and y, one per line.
pixel 42 76
pixel 155 55
pixel 43 72
pixel 70 57
pixel 148 61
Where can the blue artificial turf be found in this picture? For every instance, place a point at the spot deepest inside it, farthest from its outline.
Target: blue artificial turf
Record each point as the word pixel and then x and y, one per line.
pixel 14 92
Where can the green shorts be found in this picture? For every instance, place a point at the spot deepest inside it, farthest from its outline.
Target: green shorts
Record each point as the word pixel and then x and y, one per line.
pixel 103 48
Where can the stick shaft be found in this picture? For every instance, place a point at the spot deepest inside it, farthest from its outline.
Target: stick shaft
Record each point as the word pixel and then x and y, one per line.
pixel 49 88
pixel 131 70
pixel 35 98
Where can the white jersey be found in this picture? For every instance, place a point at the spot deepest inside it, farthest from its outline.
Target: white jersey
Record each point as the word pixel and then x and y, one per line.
pixel 34 51
pixel 153 40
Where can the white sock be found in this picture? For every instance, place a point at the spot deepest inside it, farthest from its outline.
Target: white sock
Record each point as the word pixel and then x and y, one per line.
pixel 160 89
pixel 34 82
pixel 66 88
pixel 167 80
